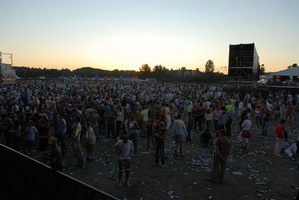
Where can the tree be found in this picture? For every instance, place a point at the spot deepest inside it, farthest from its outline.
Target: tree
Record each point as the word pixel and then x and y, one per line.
pixel 144 68
pixel 293 65
pixel 210 67
pixel 262 69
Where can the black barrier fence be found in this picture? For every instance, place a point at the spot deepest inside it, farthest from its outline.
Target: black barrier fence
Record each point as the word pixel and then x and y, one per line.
pixel 25 178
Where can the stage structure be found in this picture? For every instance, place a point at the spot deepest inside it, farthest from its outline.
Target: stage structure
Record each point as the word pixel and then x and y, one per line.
pixel 243 62
pixel 7 73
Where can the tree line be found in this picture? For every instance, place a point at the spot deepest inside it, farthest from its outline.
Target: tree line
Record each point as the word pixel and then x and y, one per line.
pixel 158 72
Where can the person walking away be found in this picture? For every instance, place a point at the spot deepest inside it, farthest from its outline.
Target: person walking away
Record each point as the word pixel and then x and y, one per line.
pixel 279 133
pixel 222 149
pixel 124 147
pixel 179 131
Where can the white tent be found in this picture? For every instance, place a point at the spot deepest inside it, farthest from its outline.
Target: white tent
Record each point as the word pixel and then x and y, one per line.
pixel 290 74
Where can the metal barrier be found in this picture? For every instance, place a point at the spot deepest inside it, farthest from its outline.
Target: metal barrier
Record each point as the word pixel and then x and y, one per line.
pixel 37 181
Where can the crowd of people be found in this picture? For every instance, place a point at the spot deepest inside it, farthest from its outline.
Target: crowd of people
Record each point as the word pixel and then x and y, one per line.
pixel 36 114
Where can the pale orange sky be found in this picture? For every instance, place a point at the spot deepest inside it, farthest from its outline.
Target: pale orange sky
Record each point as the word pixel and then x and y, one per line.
pixel 124 35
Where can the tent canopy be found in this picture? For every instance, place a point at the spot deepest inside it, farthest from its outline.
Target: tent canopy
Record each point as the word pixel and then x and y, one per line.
pixel 294 71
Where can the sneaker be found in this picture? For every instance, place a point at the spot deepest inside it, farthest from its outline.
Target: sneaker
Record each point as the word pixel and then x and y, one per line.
pixel 293 157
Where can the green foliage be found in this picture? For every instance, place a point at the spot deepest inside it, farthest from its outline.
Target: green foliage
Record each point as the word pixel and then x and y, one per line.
pixel 262 69
pixel 293 65
pixel 160 73
pixel 210 67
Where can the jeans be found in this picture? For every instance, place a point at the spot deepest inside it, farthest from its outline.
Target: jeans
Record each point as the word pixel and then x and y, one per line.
pixel 179 143
pixel 160 153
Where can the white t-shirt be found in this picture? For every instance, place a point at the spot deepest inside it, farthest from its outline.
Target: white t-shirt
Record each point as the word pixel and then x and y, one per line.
pixel 125 150
pixel 246 124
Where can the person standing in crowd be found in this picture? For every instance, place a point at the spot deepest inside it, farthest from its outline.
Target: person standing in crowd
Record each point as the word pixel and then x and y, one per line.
pixel 222 149
pixel 144 116
pixel 167 115
pixel 55 157
pixel 30 135
pixel 190 124
pixel 90 141
pixel 279 133
pixel 110 124
pixel 159 135
pixel 205 138
pixel 197 117
pixel 266 122
pixel 245 133
pixel 119 118
pixel 208 119
pixel 6 126
pixel 179 131
pixel 124 147
pixel 216 114
pixel 228 125
pixel 133 131
pixel 94 119
pixel 221 121
pixel 242 118
pixel 16 135
pixel 258 117
pixel 44 130
pixel 60 132
pixel 76 137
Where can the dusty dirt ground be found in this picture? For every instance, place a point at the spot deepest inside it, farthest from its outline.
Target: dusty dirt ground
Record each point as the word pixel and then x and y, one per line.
pixel 256 174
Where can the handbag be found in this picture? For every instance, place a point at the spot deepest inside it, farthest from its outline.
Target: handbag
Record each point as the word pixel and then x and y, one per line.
pixel 246 134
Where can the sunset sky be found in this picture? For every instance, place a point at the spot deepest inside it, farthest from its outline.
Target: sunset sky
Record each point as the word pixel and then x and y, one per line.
pixel 124 34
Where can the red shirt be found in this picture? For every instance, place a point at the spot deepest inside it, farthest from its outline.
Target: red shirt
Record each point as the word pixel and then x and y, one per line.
pixel 279 131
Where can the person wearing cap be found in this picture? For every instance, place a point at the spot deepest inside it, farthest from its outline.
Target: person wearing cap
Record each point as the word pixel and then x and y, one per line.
pixel 124 148
pixel 55 156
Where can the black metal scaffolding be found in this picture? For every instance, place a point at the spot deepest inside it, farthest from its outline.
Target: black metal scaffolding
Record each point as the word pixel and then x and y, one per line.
pixel 243 62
